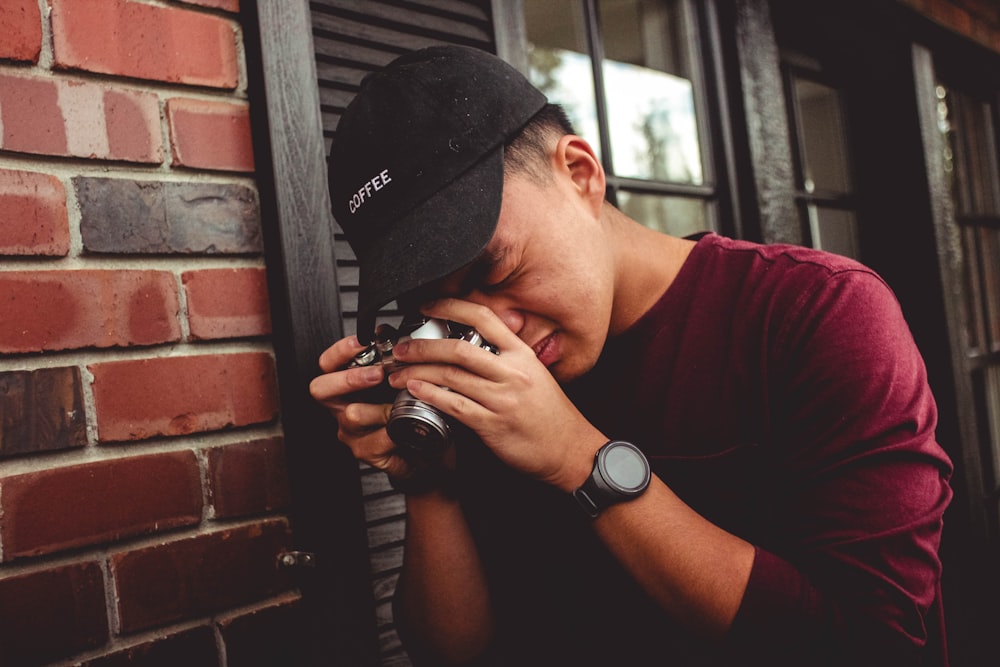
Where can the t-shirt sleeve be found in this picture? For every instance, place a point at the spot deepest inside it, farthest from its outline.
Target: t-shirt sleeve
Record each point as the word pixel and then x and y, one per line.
pixel 861 483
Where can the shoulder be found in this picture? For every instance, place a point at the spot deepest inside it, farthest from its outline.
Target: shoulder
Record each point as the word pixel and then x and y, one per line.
pixel 779 258
pixel 786 283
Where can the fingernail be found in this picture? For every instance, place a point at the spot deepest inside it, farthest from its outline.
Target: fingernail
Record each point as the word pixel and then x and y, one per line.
pixel 373 373
pixel 401 348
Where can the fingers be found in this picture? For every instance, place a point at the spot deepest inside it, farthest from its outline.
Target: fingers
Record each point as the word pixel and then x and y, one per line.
pixel 476 315
pixel 362 430
pixel 339 354
pixel 330 387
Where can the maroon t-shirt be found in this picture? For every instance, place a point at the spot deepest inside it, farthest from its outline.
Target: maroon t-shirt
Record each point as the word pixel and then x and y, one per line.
pixel 778 391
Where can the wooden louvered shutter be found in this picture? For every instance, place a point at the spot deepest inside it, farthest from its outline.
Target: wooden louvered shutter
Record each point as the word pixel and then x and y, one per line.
pixel 353 38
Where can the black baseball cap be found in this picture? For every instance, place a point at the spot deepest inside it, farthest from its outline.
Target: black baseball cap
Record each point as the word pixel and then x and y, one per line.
pixel 416 167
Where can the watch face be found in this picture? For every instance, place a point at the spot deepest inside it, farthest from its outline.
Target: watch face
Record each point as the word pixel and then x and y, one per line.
pixel 626 467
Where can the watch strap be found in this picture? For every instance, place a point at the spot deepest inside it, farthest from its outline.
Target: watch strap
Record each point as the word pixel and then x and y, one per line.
pixel 598 493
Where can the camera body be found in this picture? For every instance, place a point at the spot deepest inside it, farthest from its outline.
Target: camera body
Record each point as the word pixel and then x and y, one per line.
pixel 418 428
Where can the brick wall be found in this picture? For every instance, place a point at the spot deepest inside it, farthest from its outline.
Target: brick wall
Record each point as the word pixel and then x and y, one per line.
pixel 142 478
pixel 978 20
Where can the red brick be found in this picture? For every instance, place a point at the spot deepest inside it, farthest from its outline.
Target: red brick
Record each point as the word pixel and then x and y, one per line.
pixel 179 395
pixel 75 119
pixel 227 303
pixel 248 478
pixel 41 411
pixel 210 135
pixel 52 614
pixel 21 27
pixel 60 508
pixel 169 44
pixel 33 218
pixel 59 310
pixel 191 648
pixel 194 577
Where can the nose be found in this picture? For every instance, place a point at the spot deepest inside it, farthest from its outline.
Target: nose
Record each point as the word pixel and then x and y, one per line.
pixel 512 318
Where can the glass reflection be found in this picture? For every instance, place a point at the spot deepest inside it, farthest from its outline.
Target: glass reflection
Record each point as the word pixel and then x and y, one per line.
pixel 647 83
pixel 558 62
pixel 648 94
pixel 678 216
pixel 652 124
pixel 990 241
pixel 834 230
pixel 824 141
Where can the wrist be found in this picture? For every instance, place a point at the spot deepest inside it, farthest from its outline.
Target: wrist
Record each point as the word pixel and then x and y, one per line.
pixel 426 481
pixel 579 463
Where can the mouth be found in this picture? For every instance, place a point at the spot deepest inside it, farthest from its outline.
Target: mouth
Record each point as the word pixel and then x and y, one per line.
pixel 546 350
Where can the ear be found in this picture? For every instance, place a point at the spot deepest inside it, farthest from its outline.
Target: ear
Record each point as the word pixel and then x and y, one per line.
pixel 576 159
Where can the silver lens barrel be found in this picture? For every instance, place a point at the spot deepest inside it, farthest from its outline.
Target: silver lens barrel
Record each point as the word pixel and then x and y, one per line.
pixel 418 426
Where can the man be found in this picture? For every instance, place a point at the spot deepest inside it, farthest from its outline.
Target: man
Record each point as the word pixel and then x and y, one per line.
pixel 686 452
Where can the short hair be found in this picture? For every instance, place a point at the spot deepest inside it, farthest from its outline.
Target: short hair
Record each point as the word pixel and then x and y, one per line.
pixel 527 153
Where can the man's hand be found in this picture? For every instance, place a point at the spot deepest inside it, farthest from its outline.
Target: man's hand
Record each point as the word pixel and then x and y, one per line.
pixel 361 426
pixel 510 400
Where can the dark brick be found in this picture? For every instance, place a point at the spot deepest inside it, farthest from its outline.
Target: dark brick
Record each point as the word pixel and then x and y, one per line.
pixel 52 614
pixel 41 411
pixel 202 575
pixel 126 217
pixel 272 637
pixel 49 510
pixel 248 478
pixel 193 648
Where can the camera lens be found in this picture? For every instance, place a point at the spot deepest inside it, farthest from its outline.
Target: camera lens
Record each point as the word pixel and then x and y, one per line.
pixel 417 426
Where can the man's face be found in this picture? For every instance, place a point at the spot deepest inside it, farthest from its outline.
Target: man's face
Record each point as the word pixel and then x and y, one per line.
pixel 547 273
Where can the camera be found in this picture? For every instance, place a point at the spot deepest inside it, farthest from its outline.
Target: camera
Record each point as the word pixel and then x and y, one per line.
pixel 418 428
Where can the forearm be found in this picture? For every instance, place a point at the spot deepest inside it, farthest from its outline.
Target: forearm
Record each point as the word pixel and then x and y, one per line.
pixel 443 596
pixel 692 568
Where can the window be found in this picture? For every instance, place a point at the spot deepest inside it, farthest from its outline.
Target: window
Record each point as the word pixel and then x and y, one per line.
pixel 822 164
pixel 968 122
pixel 628 74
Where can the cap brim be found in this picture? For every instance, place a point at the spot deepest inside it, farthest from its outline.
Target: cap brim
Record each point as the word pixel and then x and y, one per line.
pixel 436 238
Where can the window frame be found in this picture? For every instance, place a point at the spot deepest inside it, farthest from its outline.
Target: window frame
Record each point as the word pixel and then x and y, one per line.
pixel 711 106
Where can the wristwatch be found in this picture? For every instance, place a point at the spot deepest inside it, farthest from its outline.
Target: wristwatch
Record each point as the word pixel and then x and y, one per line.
pixel 621 473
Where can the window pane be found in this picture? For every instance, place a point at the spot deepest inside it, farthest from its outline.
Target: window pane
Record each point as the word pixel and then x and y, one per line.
pixel 973 145
pixel 990 239
pixel 834 230
pixel 973 296
pixel 560 64
pixel 824 143
pixel 650 97
pixel 992 392
pixel 678 216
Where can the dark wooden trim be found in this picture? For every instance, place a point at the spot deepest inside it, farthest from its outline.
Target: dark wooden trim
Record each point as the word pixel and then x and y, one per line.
pixel 327 515
pixel 509 32
pixel 767 122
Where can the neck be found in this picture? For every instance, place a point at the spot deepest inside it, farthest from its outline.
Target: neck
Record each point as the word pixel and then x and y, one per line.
pixel 647 262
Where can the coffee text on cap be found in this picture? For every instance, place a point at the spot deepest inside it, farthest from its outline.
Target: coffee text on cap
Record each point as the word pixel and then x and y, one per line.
pixel 366 191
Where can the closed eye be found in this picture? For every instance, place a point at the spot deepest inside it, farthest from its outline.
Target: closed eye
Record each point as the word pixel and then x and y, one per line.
pixel 488 273
pixel 496 285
